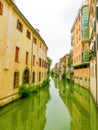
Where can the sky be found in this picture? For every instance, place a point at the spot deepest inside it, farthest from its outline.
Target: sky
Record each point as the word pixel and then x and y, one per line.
pixel 54 19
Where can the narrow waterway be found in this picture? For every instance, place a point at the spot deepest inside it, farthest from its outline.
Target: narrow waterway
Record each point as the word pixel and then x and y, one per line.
pixel 60 106
pixel 58 116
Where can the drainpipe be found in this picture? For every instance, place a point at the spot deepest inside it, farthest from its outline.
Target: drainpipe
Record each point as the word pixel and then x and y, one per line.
pixel 31 56
pixel 96 56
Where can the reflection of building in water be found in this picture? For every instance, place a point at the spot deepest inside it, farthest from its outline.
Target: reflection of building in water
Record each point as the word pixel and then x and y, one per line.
pixel 84 111
pixel 29 114
pixel 81 107
pixel 93 114
pixel 56 82
pixel 66 94
pixel 82 96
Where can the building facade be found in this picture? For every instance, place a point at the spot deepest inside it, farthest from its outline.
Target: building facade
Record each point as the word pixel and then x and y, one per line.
pixel 80 36
pixel 93 36
pixel 70 70
pixel 63 64
pixel 96 48
pixel 23 52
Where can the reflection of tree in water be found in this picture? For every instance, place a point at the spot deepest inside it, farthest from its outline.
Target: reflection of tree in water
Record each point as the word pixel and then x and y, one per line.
pixel 56 81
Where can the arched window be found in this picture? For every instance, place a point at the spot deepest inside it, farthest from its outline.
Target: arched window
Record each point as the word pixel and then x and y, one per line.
pixel 26 76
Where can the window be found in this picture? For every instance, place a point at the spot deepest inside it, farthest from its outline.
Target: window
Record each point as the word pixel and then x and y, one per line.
pixel 19 26
pixel 1 8
pixel 28 34
pixel 39 76
pixel 27 54
pixel 16 79
pixel 33 60
pixel 26 76
pixel 40 62
pixel 33 77
pixel 35 41
pixel 17 54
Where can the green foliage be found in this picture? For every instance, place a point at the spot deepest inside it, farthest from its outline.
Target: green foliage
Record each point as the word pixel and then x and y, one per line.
pixel 52 74
pixel 24 90
pixel 91 52
pixel 64 76
pixel 45 82
pixel 49 61
pixel 70 61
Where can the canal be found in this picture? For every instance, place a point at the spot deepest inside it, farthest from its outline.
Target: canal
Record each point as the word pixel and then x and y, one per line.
pixel 60 106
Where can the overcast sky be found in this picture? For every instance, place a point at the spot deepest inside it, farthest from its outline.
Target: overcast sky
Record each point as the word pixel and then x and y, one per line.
pixel 54 19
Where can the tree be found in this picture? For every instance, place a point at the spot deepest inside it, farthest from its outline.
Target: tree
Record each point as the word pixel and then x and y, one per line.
pixel 49 63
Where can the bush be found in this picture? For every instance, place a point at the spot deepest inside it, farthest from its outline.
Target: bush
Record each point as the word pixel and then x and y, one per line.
pixel 46 82
pixel 24 90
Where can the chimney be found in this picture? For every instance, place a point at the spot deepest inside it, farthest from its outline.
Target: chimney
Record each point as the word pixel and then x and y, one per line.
pixel 14 1
pixel 37 30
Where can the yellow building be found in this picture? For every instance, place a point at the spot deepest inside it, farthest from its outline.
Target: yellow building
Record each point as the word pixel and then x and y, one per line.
pixel 80 35
pixel 23 52
pixel 40 65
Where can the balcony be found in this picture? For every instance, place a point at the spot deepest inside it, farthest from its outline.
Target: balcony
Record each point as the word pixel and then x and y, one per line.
pixel 85 56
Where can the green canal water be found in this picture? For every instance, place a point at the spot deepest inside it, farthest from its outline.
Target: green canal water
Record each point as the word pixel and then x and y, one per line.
pixel 61 106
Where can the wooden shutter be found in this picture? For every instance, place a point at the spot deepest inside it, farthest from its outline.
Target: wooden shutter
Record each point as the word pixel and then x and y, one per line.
pixel 1 8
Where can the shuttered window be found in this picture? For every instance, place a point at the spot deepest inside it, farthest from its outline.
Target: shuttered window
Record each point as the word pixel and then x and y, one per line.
pixel 17 54
pixel 1 8
pixel 28 34
pixel 27 55
pixel 19 26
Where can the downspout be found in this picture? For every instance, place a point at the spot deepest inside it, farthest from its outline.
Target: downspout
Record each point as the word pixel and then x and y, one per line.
pixel 31 56
pixel 96 4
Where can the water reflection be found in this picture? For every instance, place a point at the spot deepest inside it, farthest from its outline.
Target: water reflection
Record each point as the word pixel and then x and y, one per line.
pixel 71 108
pixel 58 116
pixel 26 114
pixel 83 111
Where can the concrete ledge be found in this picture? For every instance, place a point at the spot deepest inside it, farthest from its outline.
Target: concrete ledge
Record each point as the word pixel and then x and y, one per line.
pixel 11 98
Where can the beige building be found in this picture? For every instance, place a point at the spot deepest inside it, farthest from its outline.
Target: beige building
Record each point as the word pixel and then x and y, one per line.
pixel 80 43
pixel 23 52
pixel 63 64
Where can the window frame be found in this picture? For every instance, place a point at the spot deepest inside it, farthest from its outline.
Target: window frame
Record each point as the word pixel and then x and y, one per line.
pixel 28 34
pixel 19 26
pixel 17 54
pixel 27 57
pixel 35 40
pixel 1 8
pixel 16 79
